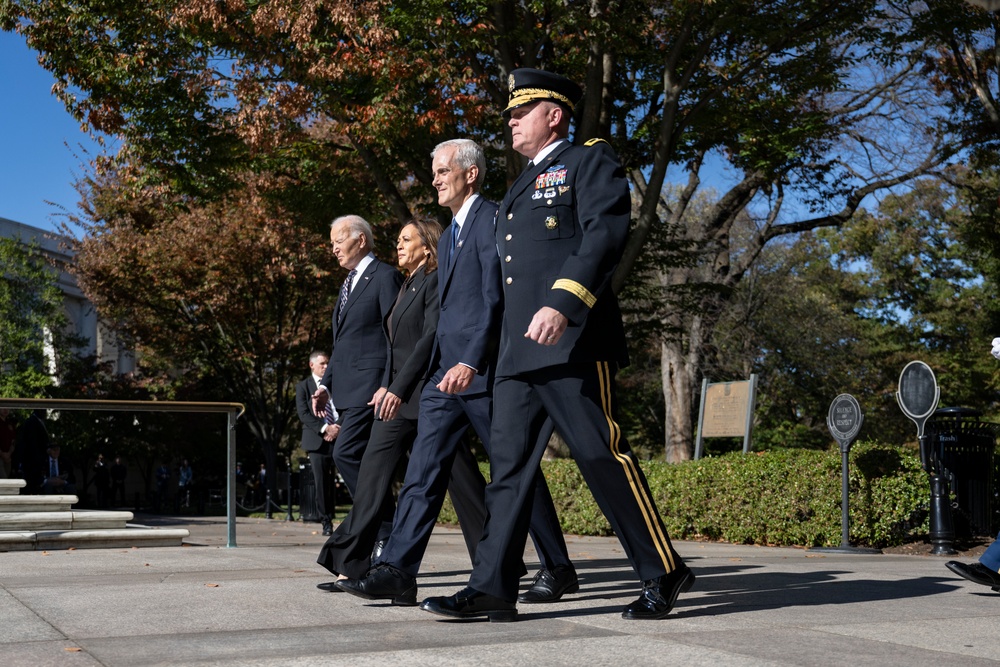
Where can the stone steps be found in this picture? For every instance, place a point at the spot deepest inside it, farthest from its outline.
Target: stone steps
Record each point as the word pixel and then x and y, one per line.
pixel 47 522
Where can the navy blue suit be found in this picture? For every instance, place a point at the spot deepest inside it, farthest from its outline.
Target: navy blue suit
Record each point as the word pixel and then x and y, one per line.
pixel 468 327
pixel 357 367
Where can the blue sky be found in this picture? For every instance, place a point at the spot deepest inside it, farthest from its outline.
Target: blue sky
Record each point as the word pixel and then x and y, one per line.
pixel 38 141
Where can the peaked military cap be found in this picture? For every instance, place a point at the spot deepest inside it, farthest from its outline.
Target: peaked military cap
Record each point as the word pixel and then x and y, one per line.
pixel 532 85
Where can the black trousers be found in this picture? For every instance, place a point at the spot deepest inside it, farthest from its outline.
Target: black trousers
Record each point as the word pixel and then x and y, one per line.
pixel 580 400
pixel 444 419
pixel 348 550
pixel 348 451
pixel 321 462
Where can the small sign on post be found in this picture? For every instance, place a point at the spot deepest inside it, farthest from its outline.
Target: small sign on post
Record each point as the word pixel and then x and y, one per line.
pixel 726 411
pixel 918 396
pixel 844 420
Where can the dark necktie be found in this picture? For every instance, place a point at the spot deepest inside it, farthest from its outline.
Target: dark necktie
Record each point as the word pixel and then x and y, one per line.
pixel 345 292
pixel 454 242
pixel 328 413
pixel 53 468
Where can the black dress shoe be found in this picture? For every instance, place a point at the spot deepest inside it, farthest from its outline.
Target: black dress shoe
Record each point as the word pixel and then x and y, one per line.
pixel 659 595
pixel 329 587
pixel 470 603
pixel 550 585
pixel 377 550
pixel 327 527
pixel 976 573
pixel 383 582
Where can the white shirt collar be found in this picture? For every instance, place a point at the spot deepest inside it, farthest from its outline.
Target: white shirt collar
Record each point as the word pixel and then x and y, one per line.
pixel 360 268
pixel 545 151
pixel 463 212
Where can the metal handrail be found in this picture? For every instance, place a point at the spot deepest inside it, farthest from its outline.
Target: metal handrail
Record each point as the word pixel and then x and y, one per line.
pixel 233 411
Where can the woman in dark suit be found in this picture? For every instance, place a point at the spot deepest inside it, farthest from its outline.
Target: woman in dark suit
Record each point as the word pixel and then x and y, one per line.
pixel 409 330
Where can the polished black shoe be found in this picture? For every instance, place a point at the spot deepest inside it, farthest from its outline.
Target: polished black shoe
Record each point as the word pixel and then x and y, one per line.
pixel 383 582
pixel 327 527
pixel 550 585
pixel 659 595
pixel 377 550
pixel 470 603
pixel 976 573
pixel 329 587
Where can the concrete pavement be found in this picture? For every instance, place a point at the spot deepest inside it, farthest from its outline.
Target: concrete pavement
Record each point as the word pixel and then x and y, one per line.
pixel 257 604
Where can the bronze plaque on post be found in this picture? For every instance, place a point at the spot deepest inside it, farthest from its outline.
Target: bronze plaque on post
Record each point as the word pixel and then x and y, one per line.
pixel 726 410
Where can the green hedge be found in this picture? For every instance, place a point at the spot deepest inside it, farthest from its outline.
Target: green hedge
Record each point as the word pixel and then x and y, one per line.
pixel 779 497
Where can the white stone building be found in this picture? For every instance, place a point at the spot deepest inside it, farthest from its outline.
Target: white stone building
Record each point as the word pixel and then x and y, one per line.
pixel 83 319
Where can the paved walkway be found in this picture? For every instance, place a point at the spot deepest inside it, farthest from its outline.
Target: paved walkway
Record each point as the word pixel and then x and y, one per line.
pixel 257 604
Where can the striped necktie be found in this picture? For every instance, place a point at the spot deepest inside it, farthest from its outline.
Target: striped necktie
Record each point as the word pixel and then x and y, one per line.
pixel 345 292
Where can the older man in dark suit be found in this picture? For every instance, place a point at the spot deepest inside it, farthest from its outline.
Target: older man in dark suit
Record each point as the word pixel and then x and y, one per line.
pixel 318 434
pixel 359 354
pixel 561 231
pixel 459 392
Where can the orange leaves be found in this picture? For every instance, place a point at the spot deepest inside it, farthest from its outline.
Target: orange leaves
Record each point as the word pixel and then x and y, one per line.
pixel 228 270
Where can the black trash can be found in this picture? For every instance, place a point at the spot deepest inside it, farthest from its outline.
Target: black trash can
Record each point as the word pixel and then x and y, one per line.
pixel 965 447
pixel 308 510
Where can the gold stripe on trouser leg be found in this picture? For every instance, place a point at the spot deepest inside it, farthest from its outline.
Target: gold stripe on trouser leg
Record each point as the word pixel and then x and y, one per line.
pixel 644 502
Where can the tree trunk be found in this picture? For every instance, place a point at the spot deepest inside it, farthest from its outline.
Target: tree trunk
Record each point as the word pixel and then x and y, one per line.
pixel 677 398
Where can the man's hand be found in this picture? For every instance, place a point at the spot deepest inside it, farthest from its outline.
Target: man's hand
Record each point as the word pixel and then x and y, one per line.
pixel 331 432
pixel 457 379
pixel 547 326
pixel 319 399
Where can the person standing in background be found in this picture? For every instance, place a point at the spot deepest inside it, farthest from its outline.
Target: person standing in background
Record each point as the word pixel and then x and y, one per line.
pixel 119 471
pixel 102 480
pixel 318 435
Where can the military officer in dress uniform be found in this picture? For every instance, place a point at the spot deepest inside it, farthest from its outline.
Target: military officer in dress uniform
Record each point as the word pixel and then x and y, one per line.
pixel 560 231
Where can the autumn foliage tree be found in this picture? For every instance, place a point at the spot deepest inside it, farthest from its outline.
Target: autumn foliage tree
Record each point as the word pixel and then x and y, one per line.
pixel 233 291
pixel 806 107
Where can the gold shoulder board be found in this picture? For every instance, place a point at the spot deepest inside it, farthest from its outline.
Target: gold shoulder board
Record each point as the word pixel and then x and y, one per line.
pixel 595 141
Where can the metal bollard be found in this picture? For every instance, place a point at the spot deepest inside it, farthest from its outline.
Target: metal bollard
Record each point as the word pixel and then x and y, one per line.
pixel 942 524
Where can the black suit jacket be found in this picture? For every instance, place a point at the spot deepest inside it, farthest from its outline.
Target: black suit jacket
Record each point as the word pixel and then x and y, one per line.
pixel 359 356
pixel 471 298
pixel 560 231
pixel 414 322
pixel 312 426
